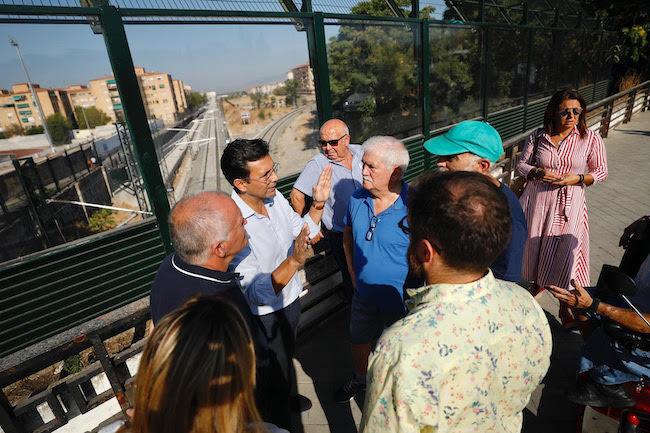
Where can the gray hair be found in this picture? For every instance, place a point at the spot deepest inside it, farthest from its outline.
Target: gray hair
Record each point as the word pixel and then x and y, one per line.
pixel 390 150
pixel 196 223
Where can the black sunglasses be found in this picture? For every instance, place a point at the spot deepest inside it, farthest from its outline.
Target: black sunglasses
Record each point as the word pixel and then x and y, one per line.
pixel 332 143
pixel 371 228
pixel 575 111
pixel 402 225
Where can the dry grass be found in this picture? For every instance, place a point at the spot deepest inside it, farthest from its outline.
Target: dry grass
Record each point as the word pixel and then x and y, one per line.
pixel 631 79
pixel 234 109
pixel 42 379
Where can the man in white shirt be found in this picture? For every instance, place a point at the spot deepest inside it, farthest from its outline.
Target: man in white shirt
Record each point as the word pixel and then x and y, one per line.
pixel 278 240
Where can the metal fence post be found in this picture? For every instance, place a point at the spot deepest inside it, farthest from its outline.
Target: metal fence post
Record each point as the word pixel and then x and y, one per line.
pixel 630 106
pixel 119 54
pixel 485 31
pixel 605 119
pixel 48 161
pixel 425 94
pixel 317 46
pixel 529 59
pixel 36 218
pixel 70 165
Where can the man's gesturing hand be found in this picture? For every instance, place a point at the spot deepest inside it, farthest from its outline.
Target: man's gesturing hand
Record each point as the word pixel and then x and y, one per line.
pixel 578 298
pixel 301 246
pixel 321 191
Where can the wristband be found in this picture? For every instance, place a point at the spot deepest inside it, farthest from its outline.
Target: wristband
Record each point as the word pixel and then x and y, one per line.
pixel 582 179
pixel 593 308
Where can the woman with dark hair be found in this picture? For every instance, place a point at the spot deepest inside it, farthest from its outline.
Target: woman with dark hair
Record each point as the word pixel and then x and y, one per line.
pixel 559 161
pixel 197 374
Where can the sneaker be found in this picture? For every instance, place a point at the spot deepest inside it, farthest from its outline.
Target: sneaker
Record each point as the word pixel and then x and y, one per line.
pixel 347 392
pixel 589 393
pixel 300 403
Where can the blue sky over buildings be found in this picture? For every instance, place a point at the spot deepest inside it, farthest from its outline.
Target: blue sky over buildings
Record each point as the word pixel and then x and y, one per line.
pixel 207 57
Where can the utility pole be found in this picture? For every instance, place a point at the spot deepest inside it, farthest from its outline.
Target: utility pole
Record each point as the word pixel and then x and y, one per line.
pixel 83 111
pixel 37 103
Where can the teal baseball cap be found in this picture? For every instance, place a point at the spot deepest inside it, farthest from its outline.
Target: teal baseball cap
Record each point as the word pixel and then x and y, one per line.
pixel 472 136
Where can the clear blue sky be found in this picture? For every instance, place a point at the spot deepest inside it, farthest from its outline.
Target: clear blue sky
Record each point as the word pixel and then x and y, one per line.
pixel 207 57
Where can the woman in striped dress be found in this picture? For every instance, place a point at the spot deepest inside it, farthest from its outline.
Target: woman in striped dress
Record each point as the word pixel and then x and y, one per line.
pixel 567 158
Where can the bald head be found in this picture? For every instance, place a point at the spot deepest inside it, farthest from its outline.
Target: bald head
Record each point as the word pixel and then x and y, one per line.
pixel 199 222
pixel 335 140
pixel 335 126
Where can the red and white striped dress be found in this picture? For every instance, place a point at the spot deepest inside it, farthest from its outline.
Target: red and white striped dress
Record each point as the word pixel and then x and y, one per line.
pixel 557 248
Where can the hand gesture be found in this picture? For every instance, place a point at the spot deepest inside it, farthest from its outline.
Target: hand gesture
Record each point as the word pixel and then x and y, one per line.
pixel 321 191
pixel 578 298
pixel 316 239
pixel 634 231
pixel 550 177
pixel 569 179
pixel 301 246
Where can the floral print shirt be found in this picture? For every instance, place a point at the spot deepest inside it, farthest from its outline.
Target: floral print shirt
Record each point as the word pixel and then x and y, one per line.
pixel 465 359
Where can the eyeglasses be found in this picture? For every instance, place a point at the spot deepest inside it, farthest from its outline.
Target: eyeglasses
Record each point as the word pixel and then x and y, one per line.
pixel 371 228
pixel 267 177
pixel 575 111
pixel 332 143
pixel 402 225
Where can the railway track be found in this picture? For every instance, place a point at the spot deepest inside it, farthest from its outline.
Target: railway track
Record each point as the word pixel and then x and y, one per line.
pixel 274 130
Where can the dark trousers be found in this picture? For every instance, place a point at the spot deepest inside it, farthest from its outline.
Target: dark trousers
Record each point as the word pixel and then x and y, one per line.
pixel 276 381
pixel 335 240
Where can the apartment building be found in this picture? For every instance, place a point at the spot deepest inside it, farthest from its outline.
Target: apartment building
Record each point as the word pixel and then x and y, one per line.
pixel 159 98
pixel 164 98
pixel 305 78
pixel 17 107
pixel 107 98
pixel 179 93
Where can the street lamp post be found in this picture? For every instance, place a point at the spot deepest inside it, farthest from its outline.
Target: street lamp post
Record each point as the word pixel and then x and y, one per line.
pixel 83 111
pixel 37 103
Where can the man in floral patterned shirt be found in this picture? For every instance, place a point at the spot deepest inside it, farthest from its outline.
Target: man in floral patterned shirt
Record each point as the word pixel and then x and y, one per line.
pixel 472 348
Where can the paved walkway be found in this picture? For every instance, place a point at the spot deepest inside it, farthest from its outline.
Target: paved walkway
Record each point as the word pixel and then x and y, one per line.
pixel 323 361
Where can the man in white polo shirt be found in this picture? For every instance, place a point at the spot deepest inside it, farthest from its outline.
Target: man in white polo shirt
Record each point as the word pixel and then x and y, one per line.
pixel 278 240
pixel 345 160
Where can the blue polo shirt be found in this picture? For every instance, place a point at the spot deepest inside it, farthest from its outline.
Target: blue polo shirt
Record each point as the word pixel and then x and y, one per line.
pixel 508 265
pixel 380 264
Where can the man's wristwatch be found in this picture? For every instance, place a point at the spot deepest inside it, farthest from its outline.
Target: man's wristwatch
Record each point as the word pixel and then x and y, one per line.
pixel 593 308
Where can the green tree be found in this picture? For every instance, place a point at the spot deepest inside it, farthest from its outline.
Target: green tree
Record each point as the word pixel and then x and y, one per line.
pixel 261 115
pixel 59 128
pixel 291 87
pixel 280 91
pixel 196 99
pixel 34 130
pixel 95 117
pixel 258 99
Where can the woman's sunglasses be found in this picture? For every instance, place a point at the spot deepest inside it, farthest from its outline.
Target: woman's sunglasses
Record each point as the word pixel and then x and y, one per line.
pixel 574 111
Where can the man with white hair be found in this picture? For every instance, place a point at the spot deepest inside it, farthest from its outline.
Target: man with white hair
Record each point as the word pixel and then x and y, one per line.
pixel 376 244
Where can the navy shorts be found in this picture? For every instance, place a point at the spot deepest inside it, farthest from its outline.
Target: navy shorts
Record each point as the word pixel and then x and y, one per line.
pixel 367 321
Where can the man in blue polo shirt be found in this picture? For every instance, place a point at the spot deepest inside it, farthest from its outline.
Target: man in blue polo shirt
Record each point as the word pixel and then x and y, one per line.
pixel 376 245
pixel 475 146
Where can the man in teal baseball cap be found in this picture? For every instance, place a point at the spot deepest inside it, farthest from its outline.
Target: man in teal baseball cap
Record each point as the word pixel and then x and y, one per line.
pixel 465 144
pixel 475 146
